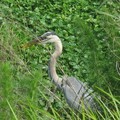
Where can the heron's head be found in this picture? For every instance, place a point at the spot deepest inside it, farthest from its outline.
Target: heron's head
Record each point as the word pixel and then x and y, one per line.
pixel 48 37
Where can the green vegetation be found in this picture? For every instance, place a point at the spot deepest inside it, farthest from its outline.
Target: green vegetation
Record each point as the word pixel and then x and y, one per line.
pixel 90 32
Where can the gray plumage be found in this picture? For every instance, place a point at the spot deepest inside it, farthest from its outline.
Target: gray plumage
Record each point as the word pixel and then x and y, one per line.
pixel 77 93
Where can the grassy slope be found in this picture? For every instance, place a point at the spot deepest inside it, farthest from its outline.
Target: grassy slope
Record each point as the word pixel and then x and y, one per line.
pixel 25 87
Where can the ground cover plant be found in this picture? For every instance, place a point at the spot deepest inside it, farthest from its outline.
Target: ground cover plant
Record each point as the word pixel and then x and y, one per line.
pixel 90 33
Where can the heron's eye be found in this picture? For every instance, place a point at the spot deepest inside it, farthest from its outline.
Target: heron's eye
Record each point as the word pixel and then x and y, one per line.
pixel 44 37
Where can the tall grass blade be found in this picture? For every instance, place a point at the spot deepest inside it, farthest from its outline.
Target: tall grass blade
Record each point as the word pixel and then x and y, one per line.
pixel 12 110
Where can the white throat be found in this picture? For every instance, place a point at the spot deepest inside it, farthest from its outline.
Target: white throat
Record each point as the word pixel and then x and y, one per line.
pixel 52 65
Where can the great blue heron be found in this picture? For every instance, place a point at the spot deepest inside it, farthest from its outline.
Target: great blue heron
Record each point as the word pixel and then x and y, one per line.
pixel 75 91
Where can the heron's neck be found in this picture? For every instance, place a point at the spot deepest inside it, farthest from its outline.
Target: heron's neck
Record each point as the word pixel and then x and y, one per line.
pixel 52 65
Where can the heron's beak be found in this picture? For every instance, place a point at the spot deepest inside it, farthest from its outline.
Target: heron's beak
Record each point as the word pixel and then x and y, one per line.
pixel 31 43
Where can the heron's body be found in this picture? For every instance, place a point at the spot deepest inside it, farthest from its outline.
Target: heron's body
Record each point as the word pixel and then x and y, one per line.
pixel 76 92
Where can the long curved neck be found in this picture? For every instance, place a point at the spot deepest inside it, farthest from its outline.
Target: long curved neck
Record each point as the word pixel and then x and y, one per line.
pixel 52 64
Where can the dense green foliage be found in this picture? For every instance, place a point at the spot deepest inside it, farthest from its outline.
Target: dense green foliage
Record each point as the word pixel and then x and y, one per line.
pixel 90 33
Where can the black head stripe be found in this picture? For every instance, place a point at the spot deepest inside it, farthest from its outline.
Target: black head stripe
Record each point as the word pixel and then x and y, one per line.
pixel 47 34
